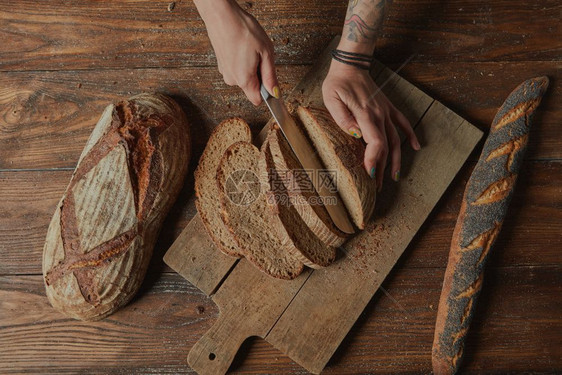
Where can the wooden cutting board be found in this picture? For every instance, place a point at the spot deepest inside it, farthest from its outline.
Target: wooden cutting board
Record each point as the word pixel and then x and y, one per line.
pixel 307 318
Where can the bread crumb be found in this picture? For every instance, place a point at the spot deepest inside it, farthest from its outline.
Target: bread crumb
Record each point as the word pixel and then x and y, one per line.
pixel 171 6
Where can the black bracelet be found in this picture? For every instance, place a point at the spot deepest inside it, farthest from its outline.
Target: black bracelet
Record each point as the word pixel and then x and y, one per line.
pixel 353 62
pixel 353 56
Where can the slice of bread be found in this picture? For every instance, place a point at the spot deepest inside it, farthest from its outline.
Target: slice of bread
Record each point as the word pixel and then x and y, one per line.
pixel 300 191
pixel 223 136
pixel 343 154
pixel 308 248
pixel 246 214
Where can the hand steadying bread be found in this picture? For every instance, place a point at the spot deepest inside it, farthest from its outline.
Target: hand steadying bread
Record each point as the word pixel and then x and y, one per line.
pixel 245 54
pixel 484 206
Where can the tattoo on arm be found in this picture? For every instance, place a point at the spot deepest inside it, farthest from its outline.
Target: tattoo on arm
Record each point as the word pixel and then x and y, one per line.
pixel 364 20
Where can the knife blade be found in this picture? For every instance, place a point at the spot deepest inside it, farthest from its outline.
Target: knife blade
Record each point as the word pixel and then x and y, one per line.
pixel 309 159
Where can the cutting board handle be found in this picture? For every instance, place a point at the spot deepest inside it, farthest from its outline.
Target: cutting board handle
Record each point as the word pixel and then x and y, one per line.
pixel 214 352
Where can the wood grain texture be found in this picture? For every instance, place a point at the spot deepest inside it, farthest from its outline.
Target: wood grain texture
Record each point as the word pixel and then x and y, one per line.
pixel 47 116
pixel 470 55
pixel 530 235
pixel 143 33
pixel 394 334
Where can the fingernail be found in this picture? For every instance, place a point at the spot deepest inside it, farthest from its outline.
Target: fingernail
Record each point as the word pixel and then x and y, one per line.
pixel 373 171
pixel 417 146
pixel 355 132
pixel 276 92
pixel 396 176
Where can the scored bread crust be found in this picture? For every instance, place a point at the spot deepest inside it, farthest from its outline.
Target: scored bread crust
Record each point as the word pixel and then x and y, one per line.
pixel 252 225
pixel 101 237
pixel 223 136
pixel 308 248
pixel 483 209
pixel 345 154
pixel 300 190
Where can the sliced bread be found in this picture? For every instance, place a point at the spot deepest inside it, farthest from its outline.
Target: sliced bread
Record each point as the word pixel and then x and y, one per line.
pixel 224 135
pixel 307 247
pixel 344 155
pixel 299 189
pixel 246 214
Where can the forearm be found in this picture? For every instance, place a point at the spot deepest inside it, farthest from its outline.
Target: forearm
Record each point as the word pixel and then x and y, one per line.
pixel 210 10
pixel 363 23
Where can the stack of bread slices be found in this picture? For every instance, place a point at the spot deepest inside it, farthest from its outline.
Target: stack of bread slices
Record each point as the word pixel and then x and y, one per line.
pixel 260 204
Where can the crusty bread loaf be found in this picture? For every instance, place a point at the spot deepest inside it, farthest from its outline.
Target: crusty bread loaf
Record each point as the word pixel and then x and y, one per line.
pixel 225 134
pixel 299 190
pixel 483 209
pixel 247 215
pixel 344 155
pixel 102 234
pixel 308 248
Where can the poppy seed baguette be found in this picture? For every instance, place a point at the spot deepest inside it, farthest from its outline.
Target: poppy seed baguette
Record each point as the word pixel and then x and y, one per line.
pixel 482 212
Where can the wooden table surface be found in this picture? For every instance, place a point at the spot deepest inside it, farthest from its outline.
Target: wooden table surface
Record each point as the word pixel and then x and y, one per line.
pixel 62 62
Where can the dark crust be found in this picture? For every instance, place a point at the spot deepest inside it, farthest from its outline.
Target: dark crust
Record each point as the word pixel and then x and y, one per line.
pixel 484 206
pixel 139 135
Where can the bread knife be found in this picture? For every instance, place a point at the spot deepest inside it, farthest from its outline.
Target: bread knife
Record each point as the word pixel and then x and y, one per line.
pixel 308 157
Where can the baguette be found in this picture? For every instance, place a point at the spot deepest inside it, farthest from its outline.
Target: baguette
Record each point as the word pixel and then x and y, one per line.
pixel 482 212
pixel 100 239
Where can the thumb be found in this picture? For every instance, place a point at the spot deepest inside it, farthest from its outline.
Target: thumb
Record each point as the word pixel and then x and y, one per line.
pixel 343 117
pixel 268 75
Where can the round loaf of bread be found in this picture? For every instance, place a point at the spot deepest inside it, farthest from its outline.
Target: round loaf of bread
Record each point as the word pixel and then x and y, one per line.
pixel 100 239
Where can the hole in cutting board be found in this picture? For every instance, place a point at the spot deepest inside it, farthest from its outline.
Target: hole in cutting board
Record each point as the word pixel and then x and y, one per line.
pixel 212 356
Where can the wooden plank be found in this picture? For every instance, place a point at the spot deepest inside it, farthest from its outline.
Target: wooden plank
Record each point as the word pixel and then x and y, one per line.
pixel 530 235
pixel 250 303
pixel 194 256
pixel 516 328
pixel 133 34
pixel 347 287
pixel 476 91
pixel 46 118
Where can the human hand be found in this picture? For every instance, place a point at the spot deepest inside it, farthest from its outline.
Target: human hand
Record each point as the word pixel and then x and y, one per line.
pixel 361 109
pixel 242 48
